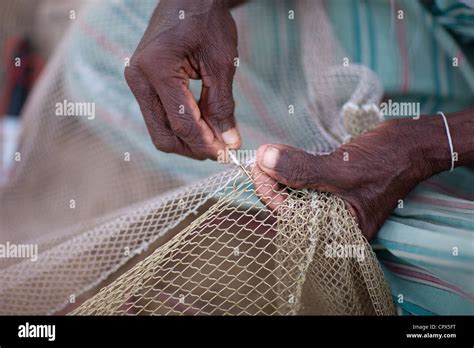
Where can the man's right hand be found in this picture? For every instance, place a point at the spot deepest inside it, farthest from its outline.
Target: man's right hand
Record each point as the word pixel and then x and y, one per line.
pixel 187 40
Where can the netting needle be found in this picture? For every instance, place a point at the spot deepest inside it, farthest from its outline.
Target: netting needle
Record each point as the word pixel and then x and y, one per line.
pixel 237 163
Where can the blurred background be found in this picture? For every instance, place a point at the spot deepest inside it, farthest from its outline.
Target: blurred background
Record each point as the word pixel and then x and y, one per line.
pixel 29 32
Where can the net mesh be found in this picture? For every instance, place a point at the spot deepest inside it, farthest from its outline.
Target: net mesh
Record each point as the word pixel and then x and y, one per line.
pixel 239 259
pixel 166 235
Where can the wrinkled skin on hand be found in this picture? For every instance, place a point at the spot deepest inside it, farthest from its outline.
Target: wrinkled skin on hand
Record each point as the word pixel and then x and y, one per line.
pixel 383 166
pixel 202 45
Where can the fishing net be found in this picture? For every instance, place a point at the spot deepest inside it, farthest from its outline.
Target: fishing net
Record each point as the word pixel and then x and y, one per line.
pixel 240 259
pixel 161 234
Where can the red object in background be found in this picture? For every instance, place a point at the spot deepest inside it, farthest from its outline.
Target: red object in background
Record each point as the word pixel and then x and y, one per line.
pixel 23 69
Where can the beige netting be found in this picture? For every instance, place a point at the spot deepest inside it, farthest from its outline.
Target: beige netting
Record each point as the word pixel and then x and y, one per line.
pixel 161 234
pixel 240 258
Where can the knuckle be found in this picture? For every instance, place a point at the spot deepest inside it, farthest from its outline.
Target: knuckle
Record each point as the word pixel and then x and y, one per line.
pixel 130 75
pixel 221 111
pixel 220 62
pixel 302 174
pixel 155 61
pixel 225 58
pixel 185 129
pixel 301 168
pixel 149 105
pixel 147 58
pixel 164 143
pixel 226 106
pixel 294 175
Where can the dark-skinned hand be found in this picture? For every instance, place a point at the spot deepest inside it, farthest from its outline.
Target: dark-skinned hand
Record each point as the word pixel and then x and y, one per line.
pixel 187 40
pixel 371 173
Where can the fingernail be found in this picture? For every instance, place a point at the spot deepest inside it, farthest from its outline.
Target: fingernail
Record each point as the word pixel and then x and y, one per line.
pixel 231 137
pixel 270 157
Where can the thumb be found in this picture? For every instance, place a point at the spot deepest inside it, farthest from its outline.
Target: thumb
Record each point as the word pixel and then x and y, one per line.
pixel 296 168
pixel 217 107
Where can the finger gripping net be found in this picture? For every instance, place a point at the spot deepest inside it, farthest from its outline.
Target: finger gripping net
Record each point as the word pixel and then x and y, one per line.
pixel 239 257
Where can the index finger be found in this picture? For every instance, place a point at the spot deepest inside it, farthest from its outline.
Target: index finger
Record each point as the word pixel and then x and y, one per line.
pixel 172 86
